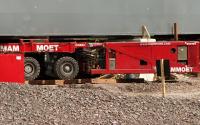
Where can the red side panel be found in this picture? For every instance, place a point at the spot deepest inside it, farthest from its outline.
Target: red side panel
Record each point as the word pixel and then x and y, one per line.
pixel 134 57
pixel 12 68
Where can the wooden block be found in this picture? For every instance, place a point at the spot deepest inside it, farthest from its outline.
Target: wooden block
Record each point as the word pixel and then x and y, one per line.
pixel 76 81
pixel 36 82
pixel 103 81
pixel 60 82
pixel 41 82
pixel 198 75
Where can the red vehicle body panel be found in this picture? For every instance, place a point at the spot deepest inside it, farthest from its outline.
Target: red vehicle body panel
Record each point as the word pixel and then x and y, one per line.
pixel 128 56
pixel 12 68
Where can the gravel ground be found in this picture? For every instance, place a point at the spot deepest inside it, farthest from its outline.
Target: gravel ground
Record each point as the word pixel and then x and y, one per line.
pixel 83 104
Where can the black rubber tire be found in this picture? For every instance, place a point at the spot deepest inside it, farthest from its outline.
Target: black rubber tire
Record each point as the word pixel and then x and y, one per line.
pixel 34 65
pixel 70 63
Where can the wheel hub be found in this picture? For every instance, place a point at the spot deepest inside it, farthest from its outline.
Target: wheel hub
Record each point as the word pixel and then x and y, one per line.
pixel 67 68
pixel 28 69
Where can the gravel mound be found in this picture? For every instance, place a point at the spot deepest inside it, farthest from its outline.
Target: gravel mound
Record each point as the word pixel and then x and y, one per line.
pixel 51 105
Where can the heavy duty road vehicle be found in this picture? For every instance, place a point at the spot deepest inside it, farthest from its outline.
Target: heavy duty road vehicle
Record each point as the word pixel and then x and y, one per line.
pixel 66 39
pixel 33 58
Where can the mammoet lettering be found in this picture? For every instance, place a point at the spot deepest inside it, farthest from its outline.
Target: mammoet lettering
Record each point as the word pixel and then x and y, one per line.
pixel 47 48
pixel 182 69
pixel 9 48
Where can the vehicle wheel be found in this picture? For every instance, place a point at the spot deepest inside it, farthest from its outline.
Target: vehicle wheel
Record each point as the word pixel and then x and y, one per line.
pixel 66 68
pixel 31 68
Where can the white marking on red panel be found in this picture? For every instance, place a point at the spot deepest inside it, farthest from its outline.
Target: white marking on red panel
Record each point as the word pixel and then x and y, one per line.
pixel 9 48
pixel 185 69
pixel 47 48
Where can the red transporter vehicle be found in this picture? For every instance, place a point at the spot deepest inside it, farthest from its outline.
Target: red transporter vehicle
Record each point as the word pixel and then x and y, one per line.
pixel 29 59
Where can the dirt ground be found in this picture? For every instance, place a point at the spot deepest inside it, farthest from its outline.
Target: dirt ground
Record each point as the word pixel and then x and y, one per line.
pixel 107 104
pixel 182 89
